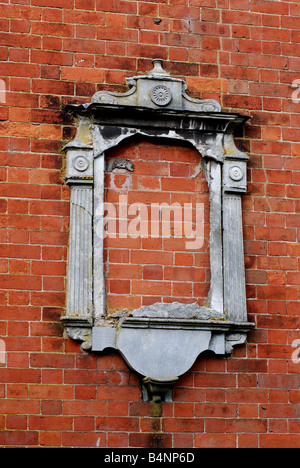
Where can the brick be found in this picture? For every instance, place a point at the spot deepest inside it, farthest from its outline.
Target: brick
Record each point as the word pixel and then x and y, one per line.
pixel 52 29
pixel 84 17
pixel 119 286
pixel 277 322
pixel 50 439
pixel 56 3
pixel 153 272
pixel 16 422
pixel 151 288
pixel 82 74
pixel 20 282
pixel 53 238
pixel 15 40
pixel 177 184
pixel 151 257
pixel 183 425
pixel 279 440
pixel 177 40
pixel 19 266
pixel 256 426
pixel 149 183
pixel 19 438
pixel 213 440
pixel 120 6
pixel 118 393
pixel 19 129
pixel 125 271
pixel 84 31
pixel 155 440
pixel 138 50
pixel 205 84
pixel 82 439
pixel 116 302
pixel 184 274
pixel 47 86
pixel 184 259
pixel 116 33
pixel 113 424
pixel 58 423
pixel 241 17
pixel 51 393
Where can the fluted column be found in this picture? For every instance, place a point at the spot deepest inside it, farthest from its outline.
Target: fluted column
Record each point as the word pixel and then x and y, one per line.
pixel 78 314
pixel 79 286
pixel 234 178
pixel 233 259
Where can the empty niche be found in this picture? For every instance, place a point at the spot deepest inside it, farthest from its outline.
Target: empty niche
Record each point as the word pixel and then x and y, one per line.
pixel 156 226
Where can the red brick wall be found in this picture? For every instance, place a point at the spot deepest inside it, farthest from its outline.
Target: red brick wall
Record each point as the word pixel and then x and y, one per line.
pixel 245 53
pixel 157 259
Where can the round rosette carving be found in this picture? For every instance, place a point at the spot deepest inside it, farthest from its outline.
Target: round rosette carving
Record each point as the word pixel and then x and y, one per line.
pixel 161 95
pixel 235 173
pixel 81 163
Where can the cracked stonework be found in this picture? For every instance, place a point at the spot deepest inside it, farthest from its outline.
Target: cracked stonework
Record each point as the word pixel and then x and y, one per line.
pixel 171 310
pixel 120 163
pixel 83 208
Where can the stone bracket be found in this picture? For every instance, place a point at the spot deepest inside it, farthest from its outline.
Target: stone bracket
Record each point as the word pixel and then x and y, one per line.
pixel 153 347
pixel 156 390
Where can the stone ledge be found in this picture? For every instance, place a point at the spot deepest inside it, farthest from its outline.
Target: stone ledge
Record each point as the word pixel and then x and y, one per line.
pixel 187 324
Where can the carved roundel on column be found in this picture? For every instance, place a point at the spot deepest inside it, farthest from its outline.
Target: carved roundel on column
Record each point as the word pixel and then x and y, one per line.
pixel 80 163
pixel 235 173
pixel 161 95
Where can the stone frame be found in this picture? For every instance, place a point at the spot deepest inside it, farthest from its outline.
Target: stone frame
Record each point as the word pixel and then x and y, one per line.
pixel 156 106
